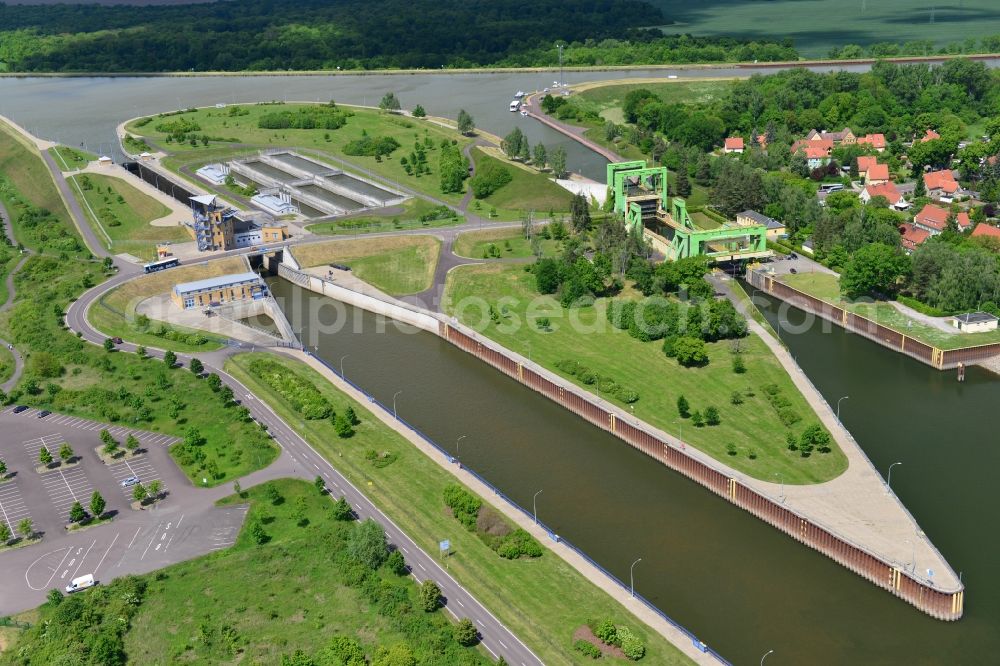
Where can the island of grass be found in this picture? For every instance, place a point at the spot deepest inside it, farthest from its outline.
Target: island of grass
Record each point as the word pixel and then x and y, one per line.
pixel 414 213
pixel 939 334
pixel 750 436
pixel 526 190
pixel 397 266
pixel 542 600
pixel 114 314
pixel 71 159
pixel 119 211
pixel 505 243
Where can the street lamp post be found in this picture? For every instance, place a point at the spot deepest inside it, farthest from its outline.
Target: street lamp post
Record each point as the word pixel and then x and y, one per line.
pixel 781 479
pixel 888 480
pixel 534 505
pixel 394 404
pixel 913 555
pixel 838 405
pixel 461 437
pixel 631 576
pixel 342 365
pixel 681 425
pixel 765 657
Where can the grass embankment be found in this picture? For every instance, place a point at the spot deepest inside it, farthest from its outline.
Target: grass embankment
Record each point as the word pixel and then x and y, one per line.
pixel 827 287
pixel 396 265
pixel 71 159
pixel 414 213
pixel 29 179
pixel 114 314
pixel 511 244
pixel 326 144
pixel 6 364
pixel 542 600
pixel 528 190
pixel 124 213
pixel 255 602
pixel 642 366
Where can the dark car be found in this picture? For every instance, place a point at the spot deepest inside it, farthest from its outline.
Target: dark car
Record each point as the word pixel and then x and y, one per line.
pixel 117 341
pixel 42 414
pixel 20 408
pixel 340 267
pixel 793 256
pixel 792 270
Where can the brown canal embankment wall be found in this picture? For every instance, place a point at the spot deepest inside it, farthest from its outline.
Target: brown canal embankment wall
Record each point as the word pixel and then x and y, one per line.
pixel 940 604
pixel 942 359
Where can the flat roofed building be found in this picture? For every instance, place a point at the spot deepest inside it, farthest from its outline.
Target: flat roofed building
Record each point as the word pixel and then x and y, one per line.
pixel 218 290
pixel 975 322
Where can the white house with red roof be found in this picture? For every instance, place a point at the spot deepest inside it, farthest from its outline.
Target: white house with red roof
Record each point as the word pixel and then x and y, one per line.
pixel 910 237
pixel 733 144
pixel 877 174
pixel 934 219
pixel 887 190
pixel 984 230
pixel 940 183
pixel 865 162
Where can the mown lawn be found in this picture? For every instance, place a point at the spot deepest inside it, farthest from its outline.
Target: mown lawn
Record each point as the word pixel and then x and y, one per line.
pixel 527 191
pixel 542 600
pixel 24 167
pixel 642 367
pixel 510 242
pixel 396 265
pixel 71 159
pixel 827 287
pixel 244 128
pixel 114 313
pixel 124 213
pixel 6 363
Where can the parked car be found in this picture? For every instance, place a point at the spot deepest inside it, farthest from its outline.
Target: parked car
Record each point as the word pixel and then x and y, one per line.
pixel 20 408
pixel 340 267
pixel 130 481
pixel 792 255
pixel 42 414
pixel 792 271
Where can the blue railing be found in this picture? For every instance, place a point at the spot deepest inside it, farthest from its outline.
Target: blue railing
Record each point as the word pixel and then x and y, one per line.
pixel 698 644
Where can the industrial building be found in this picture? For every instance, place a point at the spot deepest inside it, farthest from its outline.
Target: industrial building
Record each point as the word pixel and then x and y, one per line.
pixel 216 226
pixel 219 290
pixel 639 194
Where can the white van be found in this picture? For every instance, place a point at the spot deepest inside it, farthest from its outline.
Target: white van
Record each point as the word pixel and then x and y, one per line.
pixel 81 583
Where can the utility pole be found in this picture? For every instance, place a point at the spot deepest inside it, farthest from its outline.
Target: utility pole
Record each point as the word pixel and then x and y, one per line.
pixel 560 47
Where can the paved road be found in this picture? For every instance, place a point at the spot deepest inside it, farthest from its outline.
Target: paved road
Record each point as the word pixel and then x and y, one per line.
pixel 307 463
pixel 96 247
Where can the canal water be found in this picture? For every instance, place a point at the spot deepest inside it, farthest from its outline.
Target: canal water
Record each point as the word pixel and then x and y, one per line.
pixel 738 584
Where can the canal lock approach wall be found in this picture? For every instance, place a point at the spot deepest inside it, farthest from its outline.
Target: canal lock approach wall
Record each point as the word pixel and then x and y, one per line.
pixel 668 451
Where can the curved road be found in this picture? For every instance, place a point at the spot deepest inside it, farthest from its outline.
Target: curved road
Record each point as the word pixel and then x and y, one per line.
pixel 495 637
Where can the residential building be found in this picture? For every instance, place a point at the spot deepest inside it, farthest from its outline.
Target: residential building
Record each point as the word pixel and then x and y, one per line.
pixel 775 228
pixel 865 162
pixel 845 137
pixel 887 190
pixel 218 290
pixel 876 141
pixel 934 219
pixel 911 237
pixel 984 230
pixel 733 144
pixel 817 152
pixel 940 184
pixel 930 135
pixel 877 174
pixel 975 322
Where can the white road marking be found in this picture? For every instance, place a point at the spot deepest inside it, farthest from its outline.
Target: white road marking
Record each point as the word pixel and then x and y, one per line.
pixel 134 537
pixel 106 553
pixel 83 559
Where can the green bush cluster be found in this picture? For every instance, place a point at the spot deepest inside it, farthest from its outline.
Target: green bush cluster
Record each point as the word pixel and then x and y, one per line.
pixel 490 177
pixel 371 146
pixel 167 333
pixel 619 636
pixel 489 525
pixel 814 437
pixel 301 394
pixel 782 405
pixel 325 116
pixel 605 385
pixel 587 649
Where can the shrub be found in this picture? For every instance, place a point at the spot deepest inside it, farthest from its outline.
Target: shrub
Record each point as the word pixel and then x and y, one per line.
pixel 585 648
pixel 518 544
pixel 466 633
pixel 303 396
pixel 731 449
pixel 620 313
pixel 788 416
pixel 736 398
pixel 739 367
pixel 626 395
pixel 630 644
pixel 814 437
pixel 490 177
pixel 371 146
pixel 683 408
pixel 587 377
pixel 690 351
pixel 463 504
pixel 430 596
pixel 606 632
pixel 712 416
pixel 697 419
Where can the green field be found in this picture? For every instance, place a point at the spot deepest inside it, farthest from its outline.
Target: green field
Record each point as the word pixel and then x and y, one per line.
pixel 6 363
pixel 510 242
pixel 816 26
pixel 527 191
pixel 124 213
pixel 606 100
pixel 244 129
pixel 29 177
pixel 642 366
pixel 542 600
pixel 71 159
pixel 397 265
pixel 827 287
pixel 410 217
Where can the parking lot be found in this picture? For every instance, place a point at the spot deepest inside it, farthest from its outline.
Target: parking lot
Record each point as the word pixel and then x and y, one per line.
pixel 12 505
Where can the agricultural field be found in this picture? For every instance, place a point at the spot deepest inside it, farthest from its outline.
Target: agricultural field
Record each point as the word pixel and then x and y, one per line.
pixel 116 208
pixel 752 426
pixel 827 287
pixel 816 26
pixel 543 600
pixel 397 265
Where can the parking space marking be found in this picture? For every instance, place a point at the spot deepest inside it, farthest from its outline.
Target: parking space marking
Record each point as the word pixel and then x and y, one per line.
pixel 50 442
pixel 12 505
pixel 113 542
pixel 67 487
pixel 141 467
pixel 66 420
